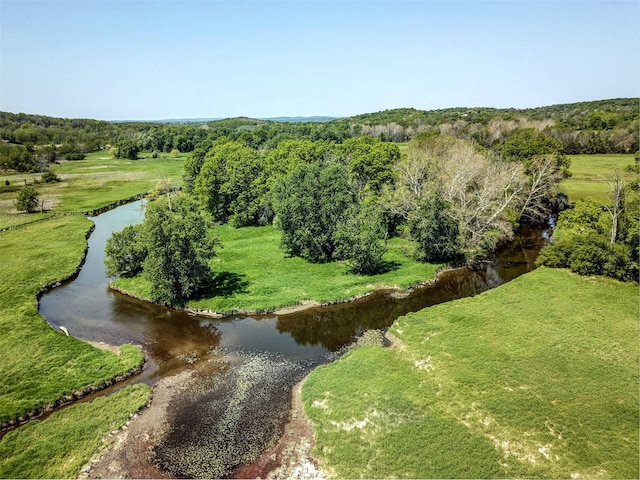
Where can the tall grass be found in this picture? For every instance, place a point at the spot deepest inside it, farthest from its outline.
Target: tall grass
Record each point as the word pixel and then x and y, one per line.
pixel 537 378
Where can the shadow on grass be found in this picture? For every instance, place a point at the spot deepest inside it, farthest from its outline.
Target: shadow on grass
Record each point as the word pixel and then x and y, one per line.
pixel 378 269
pixel 223 284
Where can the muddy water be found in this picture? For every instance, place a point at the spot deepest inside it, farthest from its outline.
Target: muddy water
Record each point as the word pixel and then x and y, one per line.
pixel 247 364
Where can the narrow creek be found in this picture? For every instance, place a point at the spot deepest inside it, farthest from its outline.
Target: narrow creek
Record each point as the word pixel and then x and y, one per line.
pixel 246 364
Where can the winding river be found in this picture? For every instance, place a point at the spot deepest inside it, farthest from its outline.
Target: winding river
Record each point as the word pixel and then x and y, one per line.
pixel 251 362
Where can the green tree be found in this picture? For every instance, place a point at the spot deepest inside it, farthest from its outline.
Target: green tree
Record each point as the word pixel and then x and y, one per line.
pixel 192 165
pixel 125 251
pixel 435 230
pixel 582 243
pixel 232 184
pixel 27 200
pixel 179 248
pixel 360 238
pixel 371 162
pixel 309 204
pixel 127 148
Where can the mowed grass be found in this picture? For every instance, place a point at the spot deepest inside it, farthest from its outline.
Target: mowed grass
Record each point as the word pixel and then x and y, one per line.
pixel 59 446
pixel 537 378
pixel 90 184
pixel 590 175
pixel 253 274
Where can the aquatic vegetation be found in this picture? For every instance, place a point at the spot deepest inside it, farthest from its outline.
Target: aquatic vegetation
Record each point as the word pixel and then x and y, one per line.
pixel 235 420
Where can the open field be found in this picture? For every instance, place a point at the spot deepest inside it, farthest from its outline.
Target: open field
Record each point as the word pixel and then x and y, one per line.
pixel 41 366
pixel 254 275
pixel 537 378
pixel 496 390
pixel 590 175
pixel 89 184
pixel 59 446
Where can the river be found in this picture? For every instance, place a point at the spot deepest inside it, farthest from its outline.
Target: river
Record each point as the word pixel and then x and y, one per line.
pixel 247 364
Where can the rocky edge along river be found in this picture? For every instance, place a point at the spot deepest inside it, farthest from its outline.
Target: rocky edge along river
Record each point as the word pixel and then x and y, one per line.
pixel 223 387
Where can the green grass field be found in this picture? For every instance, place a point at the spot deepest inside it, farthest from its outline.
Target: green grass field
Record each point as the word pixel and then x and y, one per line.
pixel 89 184
pixel 537 378
pixel 476 391
pixel 40 365
pixel 59 446
pixel 590 175
pixel 255 275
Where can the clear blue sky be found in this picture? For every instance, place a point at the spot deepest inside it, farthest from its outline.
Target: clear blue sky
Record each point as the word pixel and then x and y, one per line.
pixel 188 59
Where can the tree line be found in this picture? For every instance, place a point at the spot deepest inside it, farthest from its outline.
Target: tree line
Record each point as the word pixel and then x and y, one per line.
pixel 342 201
pixel 31 142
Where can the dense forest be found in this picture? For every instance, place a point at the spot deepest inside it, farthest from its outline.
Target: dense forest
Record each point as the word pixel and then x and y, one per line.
pixel 31 142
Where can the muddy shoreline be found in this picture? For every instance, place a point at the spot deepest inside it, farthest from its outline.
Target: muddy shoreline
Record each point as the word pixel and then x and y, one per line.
pixel 130 450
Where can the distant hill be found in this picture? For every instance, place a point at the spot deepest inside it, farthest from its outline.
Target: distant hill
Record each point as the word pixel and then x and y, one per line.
pixel 602 126
pixel 569 112
pixel 312 119
pixel 315 119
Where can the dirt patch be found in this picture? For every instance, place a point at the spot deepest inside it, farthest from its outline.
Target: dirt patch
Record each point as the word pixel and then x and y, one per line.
pixel 297 308
pixel 393 341
pixel 128 456
pixel 106 346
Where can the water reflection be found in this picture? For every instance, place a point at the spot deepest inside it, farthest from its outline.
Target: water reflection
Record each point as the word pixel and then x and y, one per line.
pixel 90 311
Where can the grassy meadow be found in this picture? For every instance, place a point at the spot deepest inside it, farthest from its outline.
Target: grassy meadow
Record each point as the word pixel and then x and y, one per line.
pixel 484 387
pixel 40 365
pixel 59 446
pixel 95 182
pixel 590 175
pixel 253 274
pixel 537 378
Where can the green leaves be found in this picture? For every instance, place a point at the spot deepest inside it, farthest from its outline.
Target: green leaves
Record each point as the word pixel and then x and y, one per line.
pixel 178 250
pixel 231 184
pixel 27 200
pixel 125 251
pixel 309 204
pixel 172 247
pixel 321 219
pixel 582 243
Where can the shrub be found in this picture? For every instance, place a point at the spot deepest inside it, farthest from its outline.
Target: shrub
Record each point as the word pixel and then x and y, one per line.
pixel 49 177
pixel 27 200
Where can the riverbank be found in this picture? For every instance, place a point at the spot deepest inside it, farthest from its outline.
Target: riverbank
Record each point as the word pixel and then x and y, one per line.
pixel 42 367
pixel 252 274
pixel 537 378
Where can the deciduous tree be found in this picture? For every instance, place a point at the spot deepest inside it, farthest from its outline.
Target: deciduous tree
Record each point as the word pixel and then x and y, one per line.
pixel 179 248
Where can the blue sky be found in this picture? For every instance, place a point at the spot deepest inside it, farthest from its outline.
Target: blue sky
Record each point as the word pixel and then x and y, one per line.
pixel 191 59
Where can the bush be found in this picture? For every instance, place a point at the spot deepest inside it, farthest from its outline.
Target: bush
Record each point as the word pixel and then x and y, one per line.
pixel 125 251
pixel 360 239
pixel 49 177
pixel 27 200
pixel 127 148
pixel 435 230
